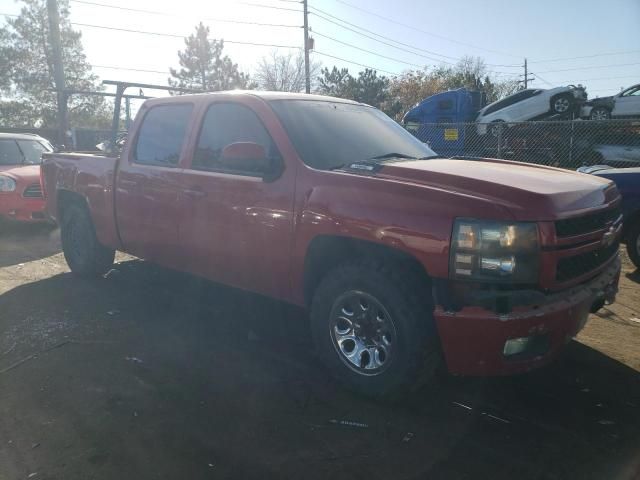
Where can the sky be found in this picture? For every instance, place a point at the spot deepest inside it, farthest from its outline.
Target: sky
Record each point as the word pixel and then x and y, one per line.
pixel 595 43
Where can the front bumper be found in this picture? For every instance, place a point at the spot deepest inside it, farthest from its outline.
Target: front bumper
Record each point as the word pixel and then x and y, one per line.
pixel 473 338
pixel 16 207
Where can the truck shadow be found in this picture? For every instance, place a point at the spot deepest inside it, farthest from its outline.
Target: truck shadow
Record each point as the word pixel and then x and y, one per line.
pixel 22 242
pixel 220 377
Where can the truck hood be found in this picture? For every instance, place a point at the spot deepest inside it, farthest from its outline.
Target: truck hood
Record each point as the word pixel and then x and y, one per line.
pixel 21 173
pixel 529 192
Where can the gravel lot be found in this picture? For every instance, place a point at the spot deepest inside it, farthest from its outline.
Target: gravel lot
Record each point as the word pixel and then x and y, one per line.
pixel 151 374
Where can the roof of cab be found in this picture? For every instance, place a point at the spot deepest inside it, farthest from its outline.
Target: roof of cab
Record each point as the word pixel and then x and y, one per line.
pixel 267 96
pixel 20 136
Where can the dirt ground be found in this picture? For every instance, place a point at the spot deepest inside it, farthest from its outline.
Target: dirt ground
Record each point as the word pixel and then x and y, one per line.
pixel 151 374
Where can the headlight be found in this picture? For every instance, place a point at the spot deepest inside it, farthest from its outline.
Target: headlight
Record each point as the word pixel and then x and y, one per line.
pixel 504 252
pixel 7 184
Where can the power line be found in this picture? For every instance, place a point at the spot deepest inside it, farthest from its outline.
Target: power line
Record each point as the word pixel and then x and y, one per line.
pixel 353 63
pixel 586 56
pixel 323 12
pixel 591 67
pixel 261 5
pixel 111 67
pixel 381 41
pixel 392 40
pixel 315 32
pixel 540 78
pixel 160 34
pixel 168 14
pixel 599 78
pixel 424 31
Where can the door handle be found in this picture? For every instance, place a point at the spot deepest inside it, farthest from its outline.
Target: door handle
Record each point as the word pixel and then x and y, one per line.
pixel 195 193
pixel 128 183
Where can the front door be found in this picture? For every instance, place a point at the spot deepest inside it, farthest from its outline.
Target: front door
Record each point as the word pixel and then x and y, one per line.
pixel 235 224
pixel 628 103
pixel 148 184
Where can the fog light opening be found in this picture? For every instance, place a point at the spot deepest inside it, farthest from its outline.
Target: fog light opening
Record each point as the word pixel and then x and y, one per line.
pixel 516 346
pixel 533 345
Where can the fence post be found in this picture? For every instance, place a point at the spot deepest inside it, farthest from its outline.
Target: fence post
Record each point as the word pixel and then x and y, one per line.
pixel 571 141
pixel 499 152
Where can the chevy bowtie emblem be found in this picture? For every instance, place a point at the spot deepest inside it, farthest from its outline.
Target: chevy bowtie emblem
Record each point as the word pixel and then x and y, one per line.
pixel 609 236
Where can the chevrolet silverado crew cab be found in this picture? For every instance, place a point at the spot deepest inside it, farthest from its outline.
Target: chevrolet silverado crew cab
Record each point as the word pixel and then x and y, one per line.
pixel 404 259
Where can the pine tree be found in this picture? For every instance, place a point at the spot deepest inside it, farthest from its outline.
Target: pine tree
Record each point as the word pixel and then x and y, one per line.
pixel 26 76
pixel 204 67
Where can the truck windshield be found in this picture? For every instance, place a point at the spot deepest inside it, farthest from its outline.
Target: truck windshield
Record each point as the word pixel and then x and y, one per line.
pixel 328 135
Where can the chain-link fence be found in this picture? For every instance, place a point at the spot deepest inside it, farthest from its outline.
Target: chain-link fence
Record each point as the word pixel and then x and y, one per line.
pixel 565 144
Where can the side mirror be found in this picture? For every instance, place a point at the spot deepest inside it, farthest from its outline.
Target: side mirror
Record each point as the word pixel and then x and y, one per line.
pixel 245 157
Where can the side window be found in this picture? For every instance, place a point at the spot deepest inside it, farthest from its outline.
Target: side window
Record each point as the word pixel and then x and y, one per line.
pixel 32 151
pixel 224 124
pixel 162 135
pixel 10 154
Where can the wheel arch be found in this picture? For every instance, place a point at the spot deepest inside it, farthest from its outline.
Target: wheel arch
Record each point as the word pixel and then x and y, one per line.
pixel 68 197
pixel 325 252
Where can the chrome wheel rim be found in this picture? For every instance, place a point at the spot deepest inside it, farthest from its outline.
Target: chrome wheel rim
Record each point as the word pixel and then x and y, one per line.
pixel 599 115
pixel 561 105
pixel 362 332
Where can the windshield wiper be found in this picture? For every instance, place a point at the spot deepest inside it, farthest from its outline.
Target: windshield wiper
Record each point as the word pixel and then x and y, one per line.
pixel 393 155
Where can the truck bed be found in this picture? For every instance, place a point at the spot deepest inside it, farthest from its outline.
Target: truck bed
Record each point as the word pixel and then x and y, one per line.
pixel 90 176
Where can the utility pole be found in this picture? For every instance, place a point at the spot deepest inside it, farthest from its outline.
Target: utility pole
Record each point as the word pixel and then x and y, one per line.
pixel 306 48
pixel 526 80
pixel 58 68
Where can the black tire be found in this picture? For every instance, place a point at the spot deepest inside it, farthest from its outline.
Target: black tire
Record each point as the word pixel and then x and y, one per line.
pixel 563 104
pixel 600 113
pixel 416 350
pixel 84 254
pixel 633 242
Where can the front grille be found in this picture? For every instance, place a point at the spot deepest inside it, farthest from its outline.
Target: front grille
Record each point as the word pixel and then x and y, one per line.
pixel 33 191
pixel 573 267
pixel 586 224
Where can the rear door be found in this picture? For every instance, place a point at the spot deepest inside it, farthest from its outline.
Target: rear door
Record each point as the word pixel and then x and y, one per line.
pixel 236 225
pixel 530 105
pixel 148 184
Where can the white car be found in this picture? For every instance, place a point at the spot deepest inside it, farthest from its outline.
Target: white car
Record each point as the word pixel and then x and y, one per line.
pixel 624 104
pixel 530 104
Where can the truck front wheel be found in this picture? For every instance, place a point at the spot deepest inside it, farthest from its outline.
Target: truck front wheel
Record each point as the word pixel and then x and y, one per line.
pixel 633 243
pixel 84 254
pixel 373 327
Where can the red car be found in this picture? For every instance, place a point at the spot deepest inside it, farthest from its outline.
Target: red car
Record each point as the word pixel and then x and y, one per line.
pixel 402 257
pixel 20 192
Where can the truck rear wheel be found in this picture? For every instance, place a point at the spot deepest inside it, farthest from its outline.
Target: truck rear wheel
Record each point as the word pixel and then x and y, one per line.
pixel 84 254
pixel 373 327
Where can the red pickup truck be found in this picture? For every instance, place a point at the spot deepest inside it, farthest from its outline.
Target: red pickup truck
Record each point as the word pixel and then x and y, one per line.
pixel 403 258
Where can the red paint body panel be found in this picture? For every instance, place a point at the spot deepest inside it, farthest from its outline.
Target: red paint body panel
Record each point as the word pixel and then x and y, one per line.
pixel 255 234
pixel 14 205
pixel 474 339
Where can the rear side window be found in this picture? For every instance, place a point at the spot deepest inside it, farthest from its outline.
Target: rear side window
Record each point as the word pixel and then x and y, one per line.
pixel 224 124
pixel 162 135
pixel 507 102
